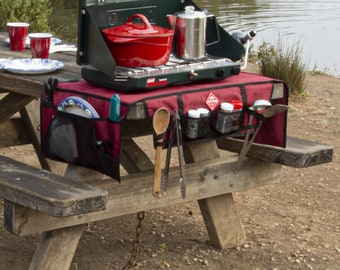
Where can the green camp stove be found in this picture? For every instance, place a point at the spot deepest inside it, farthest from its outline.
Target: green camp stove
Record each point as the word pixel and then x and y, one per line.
pixel 99 66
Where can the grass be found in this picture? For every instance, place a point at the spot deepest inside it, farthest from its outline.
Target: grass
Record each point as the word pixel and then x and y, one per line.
pixel 283 63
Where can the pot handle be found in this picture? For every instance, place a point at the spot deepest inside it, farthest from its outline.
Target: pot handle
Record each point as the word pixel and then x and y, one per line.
pixel 217 31
pixel 145 21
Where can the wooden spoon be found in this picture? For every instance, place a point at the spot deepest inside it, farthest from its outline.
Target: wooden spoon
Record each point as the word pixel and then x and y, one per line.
pixel 160 122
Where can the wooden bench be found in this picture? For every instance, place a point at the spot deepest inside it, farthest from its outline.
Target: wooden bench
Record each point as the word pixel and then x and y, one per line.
pixel 39 201
pixel 46 192
pixel 298 153
pixel 50 196
pixel 204 179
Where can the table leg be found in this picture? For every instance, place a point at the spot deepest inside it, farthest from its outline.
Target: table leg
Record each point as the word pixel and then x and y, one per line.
pixel 56 249
pixel 222 220
pixel 12 103
pixel 220 214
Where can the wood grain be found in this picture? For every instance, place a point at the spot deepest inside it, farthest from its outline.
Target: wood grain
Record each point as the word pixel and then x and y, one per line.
pixel 46 192
pixel 204 179
pixel 298 153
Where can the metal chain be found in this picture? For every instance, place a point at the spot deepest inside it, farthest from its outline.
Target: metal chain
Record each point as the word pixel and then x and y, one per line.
pixel 136 247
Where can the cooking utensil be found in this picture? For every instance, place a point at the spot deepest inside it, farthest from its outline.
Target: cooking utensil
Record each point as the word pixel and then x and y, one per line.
pixel 180 154
pixel 160 122
pixel 139 44
pixel 264 111
pixel 190 30
pixel 50 86
pixel 258 105
pixel 247 144
pixel 273 110
pixel 168 154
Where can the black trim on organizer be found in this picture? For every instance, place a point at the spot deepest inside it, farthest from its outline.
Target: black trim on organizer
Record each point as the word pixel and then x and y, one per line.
pixel 180 104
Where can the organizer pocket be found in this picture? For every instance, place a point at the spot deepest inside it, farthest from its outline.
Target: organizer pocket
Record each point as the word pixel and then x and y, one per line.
pixel 79 140
pixel 208 126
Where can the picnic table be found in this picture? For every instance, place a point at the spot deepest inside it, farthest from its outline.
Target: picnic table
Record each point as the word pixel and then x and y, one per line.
pixel 56 202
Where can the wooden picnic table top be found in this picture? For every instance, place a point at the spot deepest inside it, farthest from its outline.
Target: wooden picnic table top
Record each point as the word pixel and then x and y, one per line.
pixel 33 85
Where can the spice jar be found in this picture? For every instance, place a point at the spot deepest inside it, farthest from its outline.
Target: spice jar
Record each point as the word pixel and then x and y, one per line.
pixel 224 118
pixel 204 122
pixel 235 124
pixel 192 124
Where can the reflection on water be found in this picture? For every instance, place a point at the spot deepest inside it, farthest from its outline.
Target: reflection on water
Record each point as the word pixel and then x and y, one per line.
pixel 314 24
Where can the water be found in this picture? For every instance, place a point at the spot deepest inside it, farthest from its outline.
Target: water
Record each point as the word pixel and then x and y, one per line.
pixel 314 25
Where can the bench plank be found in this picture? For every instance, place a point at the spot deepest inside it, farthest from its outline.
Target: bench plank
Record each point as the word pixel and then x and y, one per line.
pixel 298 153
pixel 204 180
pixel 48 193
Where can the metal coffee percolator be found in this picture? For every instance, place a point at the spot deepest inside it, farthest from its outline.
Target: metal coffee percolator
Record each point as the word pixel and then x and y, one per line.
pixel 190 33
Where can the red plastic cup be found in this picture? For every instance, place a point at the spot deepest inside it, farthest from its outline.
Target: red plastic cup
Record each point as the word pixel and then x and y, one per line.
pixel 40 44
pixel 17 32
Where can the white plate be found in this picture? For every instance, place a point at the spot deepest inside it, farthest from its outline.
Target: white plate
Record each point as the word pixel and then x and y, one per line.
pixel 31 66
pixel 53 41
pixel 2 61
pixel 78 106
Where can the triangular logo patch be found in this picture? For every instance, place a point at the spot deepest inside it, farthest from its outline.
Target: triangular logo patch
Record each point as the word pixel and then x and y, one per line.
pixel 212 101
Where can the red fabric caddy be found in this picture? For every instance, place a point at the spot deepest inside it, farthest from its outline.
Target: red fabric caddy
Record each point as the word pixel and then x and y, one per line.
pixel 246 87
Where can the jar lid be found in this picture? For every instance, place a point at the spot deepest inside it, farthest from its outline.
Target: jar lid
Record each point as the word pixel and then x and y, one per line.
pixel 237 104
pixel 193 114
pixel 226 106
pixel 203 112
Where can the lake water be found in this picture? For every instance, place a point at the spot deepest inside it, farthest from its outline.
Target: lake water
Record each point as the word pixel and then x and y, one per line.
pixel 313 24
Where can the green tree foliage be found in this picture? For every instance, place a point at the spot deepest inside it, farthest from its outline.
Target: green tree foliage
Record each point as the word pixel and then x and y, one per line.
pixel 35 12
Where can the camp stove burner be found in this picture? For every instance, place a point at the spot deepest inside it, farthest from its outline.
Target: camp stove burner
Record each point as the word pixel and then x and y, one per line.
pixel 174 72
pixel 174 65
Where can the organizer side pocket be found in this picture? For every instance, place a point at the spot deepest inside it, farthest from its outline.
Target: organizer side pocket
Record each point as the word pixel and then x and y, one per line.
pixel 74 139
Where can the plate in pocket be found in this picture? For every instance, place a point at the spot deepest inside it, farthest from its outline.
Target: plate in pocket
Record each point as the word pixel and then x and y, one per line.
pixel 78 106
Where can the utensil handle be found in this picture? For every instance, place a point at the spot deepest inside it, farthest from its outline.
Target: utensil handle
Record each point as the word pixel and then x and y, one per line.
pixel 157 172
pixel 244 146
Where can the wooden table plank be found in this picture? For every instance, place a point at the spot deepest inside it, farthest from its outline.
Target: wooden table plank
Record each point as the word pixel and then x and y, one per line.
pixel 33 85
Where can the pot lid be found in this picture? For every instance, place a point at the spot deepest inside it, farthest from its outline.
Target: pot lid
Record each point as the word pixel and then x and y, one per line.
pixel 190 13
pixel 141 29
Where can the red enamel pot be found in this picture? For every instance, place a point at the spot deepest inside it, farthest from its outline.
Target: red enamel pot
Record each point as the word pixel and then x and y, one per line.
pixel 137 43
